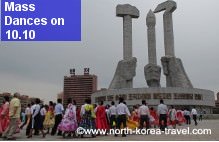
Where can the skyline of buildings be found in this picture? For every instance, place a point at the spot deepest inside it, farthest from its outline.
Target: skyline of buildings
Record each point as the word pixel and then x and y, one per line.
pixel 25 99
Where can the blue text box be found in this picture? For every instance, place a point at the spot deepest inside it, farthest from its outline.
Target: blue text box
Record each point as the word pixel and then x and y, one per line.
pixel 69 10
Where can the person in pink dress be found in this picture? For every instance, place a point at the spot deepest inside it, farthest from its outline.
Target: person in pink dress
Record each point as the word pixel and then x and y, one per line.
pixel 101 120
pixel 4 112
pixel 69 123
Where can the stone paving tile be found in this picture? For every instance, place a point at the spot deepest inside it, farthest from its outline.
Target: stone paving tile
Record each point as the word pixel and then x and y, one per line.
pixel 206 124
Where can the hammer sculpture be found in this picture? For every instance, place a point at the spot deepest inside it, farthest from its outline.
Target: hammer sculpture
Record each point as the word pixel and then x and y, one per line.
pixel 126 68
pixel 127 12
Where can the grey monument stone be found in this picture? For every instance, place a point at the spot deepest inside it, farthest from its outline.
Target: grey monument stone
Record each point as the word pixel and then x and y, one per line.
pixel 175 73
pixel 169 7
pixel 152 74
pixel 151 22
pixel 152 71
pixel 125 72
pixel 172 66
pixel 127 12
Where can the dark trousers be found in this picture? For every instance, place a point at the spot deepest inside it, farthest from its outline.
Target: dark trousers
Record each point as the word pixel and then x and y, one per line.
pixel 121 120
pixel 43 118
pixel 188 119
pixel 58 119
pixel 112 119
pixel 29 127
pixel 36 130
pixel 144 118
pixel 200 117
pixel 163 117
pixel 195 119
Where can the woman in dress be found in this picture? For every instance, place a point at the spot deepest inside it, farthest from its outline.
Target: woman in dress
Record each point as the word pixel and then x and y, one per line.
pixel 172 117
pixel 78 110
pixel 87 116
pixel 49 118
pixel 107 114
pixel 69 121
pixel 1 131
pixel 101 119
pixel 180 117
pixel 133 122
pixel 4 115
pixel 37 120
pixel 154 120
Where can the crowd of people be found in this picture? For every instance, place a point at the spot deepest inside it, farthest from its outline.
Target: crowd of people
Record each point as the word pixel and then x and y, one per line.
pixel 54 119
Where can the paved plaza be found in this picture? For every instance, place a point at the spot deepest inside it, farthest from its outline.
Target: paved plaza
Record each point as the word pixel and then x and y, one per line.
pixel 205 124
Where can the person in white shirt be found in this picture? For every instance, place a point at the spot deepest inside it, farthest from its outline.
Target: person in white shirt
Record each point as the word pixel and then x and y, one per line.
pixel 82 112
pixel 107 113
pixel 162 111
pixel 187 116
pixel 30 123
pixel 144 114
pixel 43 112
pixel 59 110
pixel 122 110
pixel 194 115
pixel 37 119
pixel 112 115
pixel 32 108
pixel 172 116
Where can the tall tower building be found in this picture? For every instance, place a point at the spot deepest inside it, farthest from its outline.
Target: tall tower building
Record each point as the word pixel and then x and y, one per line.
pixel 79 87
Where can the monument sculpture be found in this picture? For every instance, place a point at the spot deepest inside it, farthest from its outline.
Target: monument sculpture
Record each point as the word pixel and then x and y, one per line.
pixel 125 71
pixel 178 91
pixel 152 71
pixel 169 7
pixel 172 66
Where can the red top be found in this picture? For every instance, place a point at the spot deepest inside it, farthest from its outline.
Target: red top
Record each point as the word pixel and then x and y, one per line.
pixel 154 114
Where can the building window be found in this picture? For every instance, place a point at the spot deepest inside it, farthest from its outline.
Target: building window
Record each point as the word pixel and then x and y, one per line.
pixel 162 96
pixel 183 96
pixel 110 98
pixel 122 96
pixel 98 99
pixel 198 97
pixel 139 96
